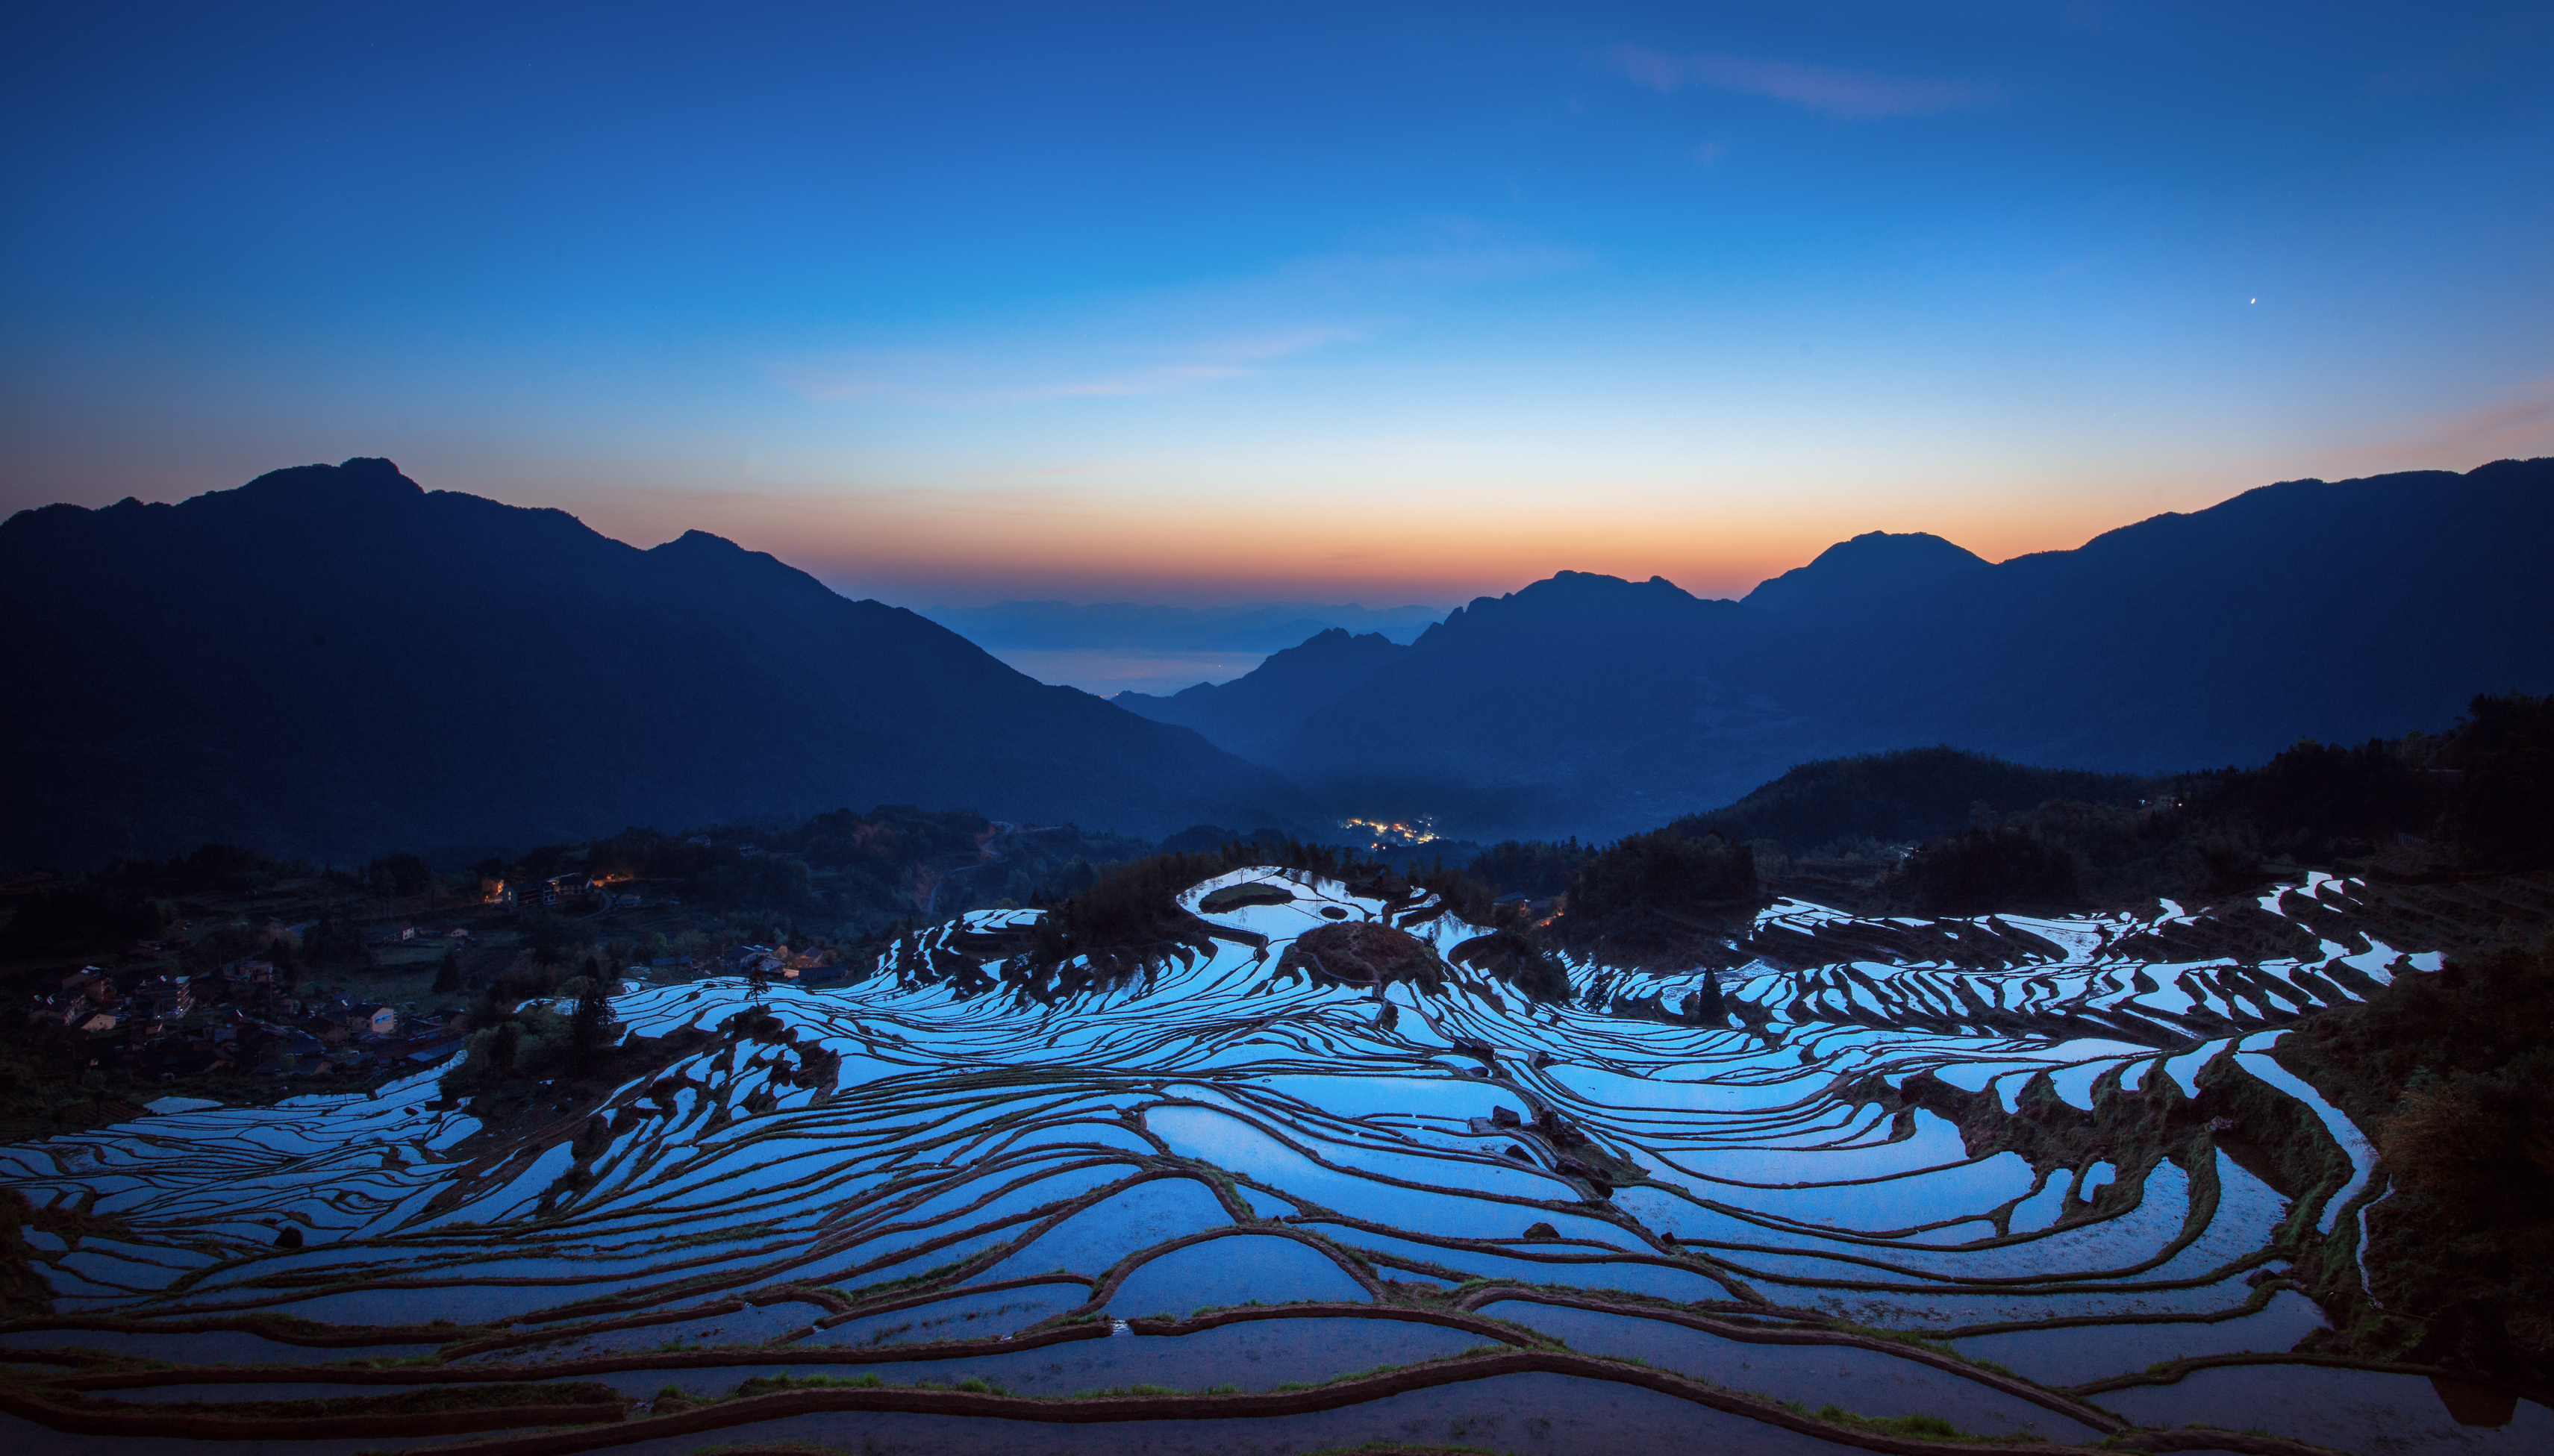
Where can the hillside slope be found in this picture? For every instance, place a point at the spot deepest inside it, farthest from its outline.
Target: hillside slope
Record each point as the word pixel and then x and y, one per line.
pixel 1256 714
pixel 331 660
pixel 1851 574
pixel 1593 706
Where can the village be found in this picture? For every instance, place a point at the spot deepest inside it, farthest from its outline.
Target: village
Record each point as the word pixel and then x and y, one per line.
pixel 391 990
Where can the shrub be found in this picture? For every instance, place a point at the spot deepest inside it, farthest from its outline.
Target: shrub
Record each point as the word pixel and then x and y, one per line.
pixel 85 918
pixel 2500 816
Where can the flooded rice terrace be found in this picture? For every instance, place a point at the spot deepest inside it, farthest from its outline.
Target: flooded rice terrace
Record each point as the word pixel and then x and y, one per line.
pixel 1929 1182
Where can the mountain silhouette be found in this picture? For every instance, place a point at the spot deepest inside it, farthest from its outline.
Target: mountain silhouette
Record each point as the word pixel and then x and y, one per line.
pixel 1253 715
pixel 331 662
pixel 1595 706
pixel 1853 573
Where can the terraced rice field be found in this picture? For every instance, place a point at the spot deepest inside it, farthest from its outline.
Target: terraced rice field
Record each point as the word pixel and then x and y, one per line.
pixel 2021 1179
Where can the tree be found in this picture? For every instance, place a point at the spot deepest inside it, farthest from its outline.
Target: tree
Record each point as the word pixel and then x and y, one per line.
pixel 447 976
pixel 398 874
pixel 2502 815
pixel 502 1048
pixel 590 1026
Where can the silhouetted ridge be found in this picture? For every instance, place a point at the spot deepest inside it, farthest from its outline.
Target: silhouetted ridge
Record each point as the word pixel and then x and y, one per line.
pixel 1899 798
pixel 1253 714
pixel 1593 706
pixel 1856 572
pixel 330 661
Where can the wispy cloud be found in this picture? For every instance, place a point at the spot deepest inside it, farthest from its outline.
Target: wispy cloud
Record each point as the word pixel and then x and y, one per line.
pixel 1183 336
pixel 1851 95
pixel 2469 438
pixel 960 379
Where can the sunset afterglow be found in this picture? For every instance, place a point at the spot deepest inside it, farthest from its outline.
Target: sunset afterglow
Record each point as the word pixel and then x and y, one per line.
pixel 1413 307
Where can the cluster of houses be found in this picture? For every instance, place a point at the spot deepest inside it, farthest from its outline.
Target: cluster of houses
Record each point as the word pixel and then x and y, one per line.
pixel 775 962
pixel 558 889
pixel 232 1020
pixel 408 934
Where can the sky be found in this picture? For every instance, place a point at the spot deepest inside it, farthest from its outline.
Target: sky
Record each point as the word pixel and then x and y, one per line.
pixel 1208 304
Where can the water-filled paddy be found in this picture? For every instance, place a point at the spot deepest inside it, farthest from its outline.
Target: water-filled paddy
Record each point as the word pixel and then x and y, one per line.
pixel 1216 1135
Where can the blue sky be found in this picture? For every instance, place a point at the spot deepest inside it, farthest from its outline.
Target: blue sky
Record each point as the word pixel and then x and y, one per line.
pixel 1206 304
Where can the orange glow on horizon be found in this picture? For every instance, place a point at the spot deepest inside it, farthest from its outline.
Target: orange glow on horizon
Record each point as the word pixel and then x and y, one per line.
pixel 922 548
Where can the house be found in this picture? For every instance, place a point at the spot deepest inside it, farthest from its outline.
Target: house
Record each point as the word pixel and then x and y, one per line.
pixel 321 1028
pixel 251 972
pixel 165 997
pixel 359 1017
pixel 758 961
pixel 554 890
pixel 90 1008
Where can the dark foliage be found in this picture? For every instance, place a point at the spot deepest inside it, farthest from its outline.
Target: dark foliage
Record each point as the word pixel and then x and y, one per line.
pixel 863 872
pixel 335 944
pixel 590 1025
pixel 1361 952
pixel 227 942
pixel 2501 814
pixel 2013 866
pixel 2215 834
pixel 398 875
pixel 504 1047
pixel 83 918
pixel 1517 957
pixel 1129 917
pixel 2314 797
pixel 1201 838
pixel 2460 1058
pixel 1665 869
pixel 1464 896
pixel 1899 798
pixel 1650 898
pixel 1536 868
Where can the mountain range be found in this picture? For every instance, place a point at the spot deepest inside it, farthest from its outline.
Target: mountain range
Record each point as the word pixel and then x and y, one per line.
pixel 333 662
pixel 1259 628
pixel 1596 706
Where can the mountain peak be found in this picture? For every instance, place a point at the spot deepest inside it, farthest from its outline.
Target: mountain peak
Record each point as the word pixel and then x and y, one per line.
pixel 1869 565
pixel 364 478
pixel 700 540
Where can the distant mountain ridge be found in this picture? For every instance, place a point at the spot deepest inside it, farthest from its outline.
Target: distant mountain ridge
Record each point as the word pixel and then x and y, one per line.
pixel 331 661
pixel 1595 706
pixel 1261 627
pixel 1868 567
pixel 1253 715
